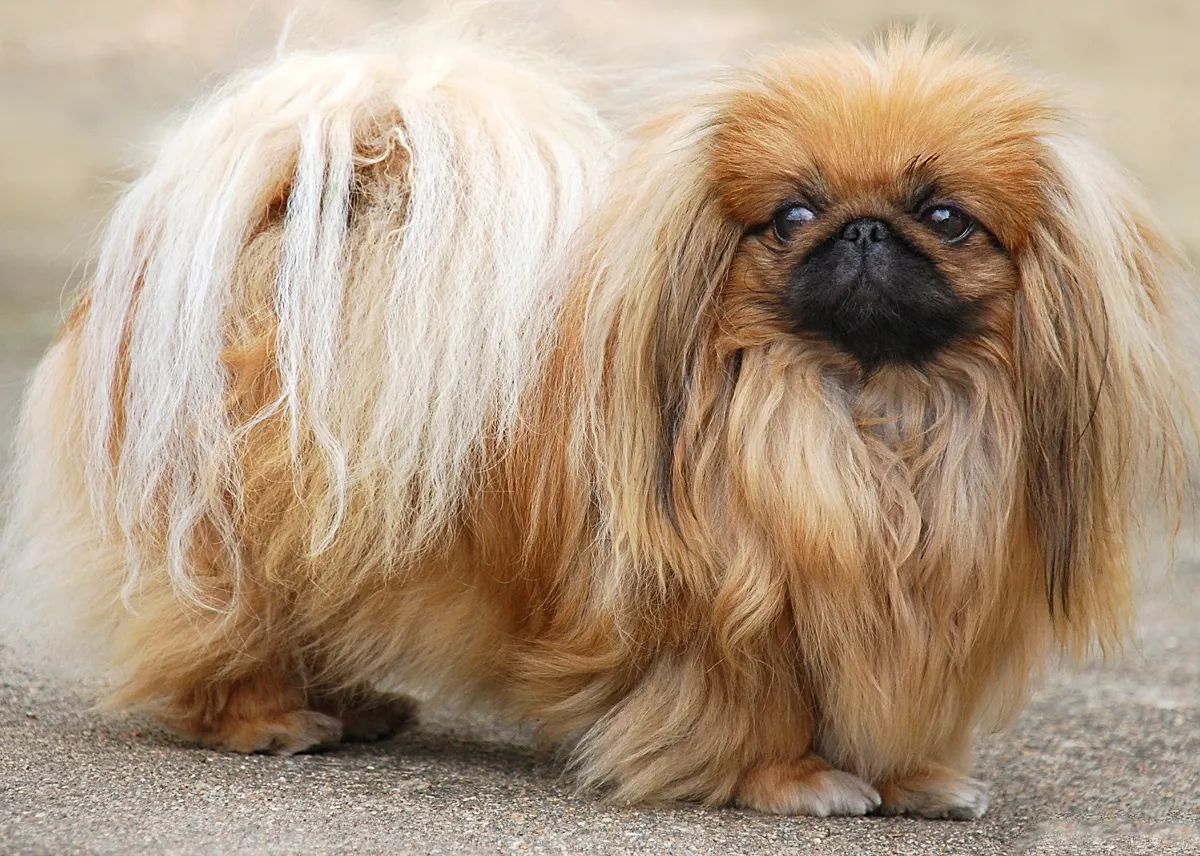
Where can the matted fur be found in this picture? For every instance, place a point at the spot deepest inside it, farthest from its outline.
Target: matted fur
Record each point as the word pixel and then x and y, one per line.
pixel 384 377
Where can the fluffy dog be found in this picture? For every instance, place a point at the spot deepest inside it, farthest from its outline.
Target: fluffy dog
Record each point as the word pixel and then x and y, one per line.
pixel 760 453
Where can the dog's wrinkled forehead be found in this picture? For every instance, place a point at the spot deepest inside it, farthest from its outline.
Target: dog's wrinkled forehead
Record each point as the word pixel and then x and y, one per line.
pixel 879 126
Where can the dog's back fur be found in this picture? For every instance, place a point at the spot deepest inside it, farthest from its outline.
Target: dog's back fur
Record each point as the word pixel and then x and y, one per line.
pixel 330 289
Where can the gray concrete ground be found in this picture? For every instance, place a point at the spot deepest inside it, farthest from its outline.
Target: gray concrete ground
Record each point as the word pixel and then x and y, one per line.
pixel 1103 761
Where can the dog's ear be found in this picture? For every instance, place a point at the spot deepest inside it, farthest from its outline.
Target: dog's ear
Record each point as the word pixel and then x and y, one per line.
pixel 666 246
pixel 1100 376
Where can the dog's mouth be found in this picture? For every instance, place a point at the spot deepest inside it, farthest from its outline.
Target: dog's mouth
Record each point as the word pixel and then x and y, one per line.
pixel 876 296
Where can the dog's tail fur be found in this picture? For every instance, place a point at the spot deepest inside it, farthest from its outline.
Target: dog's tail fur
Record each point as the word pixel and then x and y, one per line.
pixel 434 179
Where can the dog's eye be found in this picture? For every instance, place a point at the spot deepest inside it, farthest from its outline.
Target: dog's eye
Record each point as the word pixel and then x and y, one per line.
pixel 949 224
pixel 789 218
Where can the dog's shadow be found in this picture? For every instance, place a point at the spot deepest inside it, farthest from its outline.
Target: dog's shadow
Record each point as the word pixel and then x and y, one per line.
pixel 469 741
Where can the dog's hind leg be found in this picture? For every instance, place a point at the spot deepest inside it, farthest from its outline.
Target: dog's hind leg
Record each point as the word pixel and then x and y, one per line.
pixel 234 683
pixel 367 714
pixel 260 713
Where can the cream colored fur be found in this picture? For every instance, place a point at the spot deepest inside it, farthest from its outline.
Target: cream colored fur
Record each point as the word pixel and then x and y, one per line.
pixel 403 341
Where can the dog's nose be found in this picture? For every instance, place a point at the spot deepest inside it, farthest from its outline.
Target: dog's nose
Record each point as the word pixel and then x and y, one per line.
pixel 866 231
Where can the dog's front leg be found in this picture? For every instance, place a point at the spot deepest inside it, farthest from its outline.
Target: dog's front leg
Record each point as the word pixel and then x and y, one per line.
pixel 808 786
pixel 696 727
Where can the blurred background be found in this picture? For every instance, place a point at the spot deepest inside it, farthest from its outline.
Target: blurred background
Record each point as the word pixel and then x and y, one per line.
pixel 85 84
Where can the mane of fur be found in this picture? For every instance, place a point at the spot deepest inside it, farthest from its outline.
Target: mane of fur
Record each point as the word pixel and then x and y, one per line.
pixel 906 551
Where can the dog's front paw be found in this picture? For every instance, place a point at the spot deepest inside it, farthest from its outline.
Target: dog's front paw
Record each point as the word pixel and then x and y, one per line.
pixel 808 786
pixel 937 793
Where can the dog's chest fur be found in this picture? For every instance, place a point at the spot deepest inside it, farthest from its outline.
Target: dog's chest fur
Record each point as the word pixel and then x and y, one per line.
pixel 907 486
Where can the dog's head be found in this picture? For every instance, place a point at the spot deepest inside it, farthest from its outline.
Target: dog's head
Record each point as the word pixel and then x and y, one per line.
pixel 884 309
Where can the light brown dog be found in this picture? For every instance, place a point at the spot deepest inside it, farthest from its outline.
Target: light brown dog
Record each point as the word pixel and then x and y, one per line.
pixel 762 452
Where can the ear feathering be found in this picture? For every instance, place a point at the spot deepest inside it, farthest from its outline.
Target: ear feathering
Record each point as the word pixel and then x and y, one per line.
pixel 1105 366
pixel 658 257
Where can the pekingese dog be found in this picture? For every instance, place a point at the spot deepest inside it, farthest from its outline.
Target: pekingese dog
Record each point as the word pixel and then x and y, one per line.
pixel 761 451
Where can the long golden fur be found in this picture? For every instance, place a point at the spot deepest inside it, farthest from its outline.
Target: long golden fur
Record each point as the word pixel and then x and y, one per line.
pixel 397 368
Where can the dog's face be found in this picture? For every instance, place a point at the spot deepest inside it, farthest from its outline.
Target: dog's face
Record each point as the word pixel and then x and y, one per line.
pixel 880 208
pixel 881 308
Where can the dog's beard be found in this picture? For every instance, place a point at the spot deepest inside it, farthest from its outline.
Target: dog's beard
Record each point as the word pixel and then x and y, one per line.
pixel 866 495
pixel 881 466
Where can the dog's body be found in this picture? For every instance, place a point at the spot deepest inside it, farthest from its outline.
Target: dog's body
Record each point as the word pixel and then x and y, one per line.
pixel 386 375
